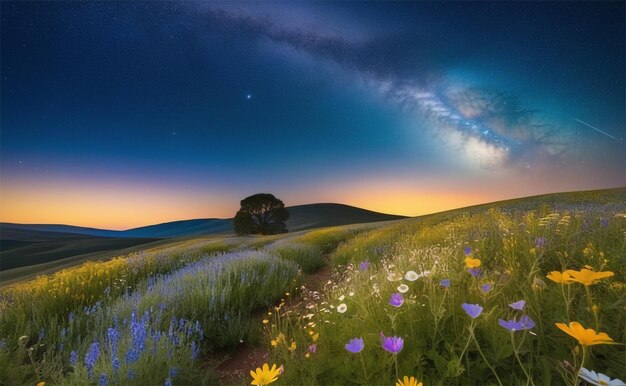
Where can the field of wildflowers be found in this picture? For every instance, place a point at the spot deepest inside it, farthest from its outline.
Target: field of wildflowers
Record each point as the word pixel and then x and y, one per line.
pixel 529 293
pixel 522 292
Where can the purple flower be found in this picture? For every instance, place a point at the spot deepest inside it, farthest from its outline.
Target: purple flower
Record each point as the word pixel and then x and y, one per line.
pixel 486 287
pixel 91 357
pixel 115 364
pixel 168 382
pixel 473 310
pixel 604 223
pixel 445 283
pixel 103 379
pixel 393 344
pixel 396 299
pixel 524 323
pixel 475 272
pixel 518 305
pixel 73 358
pixel 313 348
pixel 113 335
pixel 540 242
pixel 195 350
pixel 364 265
pixel 356 345
pixel 467 250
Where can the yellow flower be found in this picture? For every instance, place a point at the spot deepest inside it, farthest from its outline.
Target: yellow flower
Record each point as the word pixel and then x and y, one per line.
pixel 472 263
pixel 42 383
pixel 264 376
pixel 406 381
pixel 585 336
pixel 293 346
pixel 279 339
pixel 315 337
pixel 265 321
pixel 588 277
pixel 561 278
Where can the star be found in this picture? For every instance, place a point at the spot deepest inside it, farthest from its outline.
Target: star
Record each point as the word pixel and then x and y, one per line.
pixel 248 96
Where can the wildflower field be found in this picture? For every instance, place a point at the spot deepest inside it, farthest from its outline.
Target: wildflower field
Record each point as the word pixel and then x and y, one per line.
pixel 523 292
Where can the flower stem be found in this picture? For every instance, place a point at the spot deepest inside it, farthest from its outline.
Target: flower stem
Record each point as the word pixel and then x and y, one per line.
pixel 566 299
pixel 485 358
pixel 395 359
pixel 519 361
pixel 364 369
pixel 590 302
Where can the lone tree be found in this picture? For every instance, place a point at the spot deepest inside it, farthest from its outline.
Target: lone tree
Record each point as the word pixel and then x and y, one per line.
pixel 261 213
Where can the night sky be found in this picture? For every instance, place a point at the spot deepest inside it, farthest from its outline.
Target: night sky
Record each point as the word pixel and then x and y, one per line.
pixel 122 114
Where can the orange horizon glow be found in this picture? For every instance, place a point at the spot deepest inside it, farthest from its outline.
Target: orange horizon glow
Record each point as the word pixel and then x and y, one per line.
pixel 118 208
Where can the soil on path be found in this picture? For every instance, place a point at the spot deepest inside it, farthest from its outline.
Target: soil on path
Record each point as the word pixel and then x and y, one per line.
pixel 237 367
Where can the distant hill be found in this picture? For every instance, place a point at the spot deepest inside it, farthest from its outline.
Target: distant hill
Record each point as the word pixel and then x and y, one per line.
pixel 301 217
pixel 22 245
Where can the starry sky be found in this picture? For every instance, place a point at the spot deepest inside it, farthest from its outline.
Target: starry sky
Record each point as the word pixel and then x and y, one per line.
pixel 123 114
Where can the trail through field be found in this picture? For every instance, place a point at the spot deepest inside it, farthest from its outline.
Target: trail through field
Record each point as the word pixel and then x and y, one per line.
pixel 237 368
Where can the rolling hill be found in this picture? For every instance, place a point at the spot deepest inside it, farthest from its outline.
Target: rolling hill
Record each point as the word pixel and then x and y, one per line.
pixel 301 217
pixel 23 245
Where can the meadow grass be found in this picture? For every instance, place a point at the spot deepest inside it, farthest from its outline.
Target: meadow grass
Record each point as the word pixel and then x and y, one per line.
pixel 423 263
pixel 157 331
pixel 308 257
pixel 155 318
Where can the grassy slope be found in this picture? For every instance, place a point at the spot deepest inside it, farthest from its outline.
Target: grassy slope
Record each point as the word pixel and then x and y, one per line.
pixel 304 218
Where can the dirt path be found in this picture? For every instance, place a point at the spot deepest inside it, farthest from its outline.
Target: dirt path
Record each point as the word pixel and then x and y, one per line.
pixel 238 366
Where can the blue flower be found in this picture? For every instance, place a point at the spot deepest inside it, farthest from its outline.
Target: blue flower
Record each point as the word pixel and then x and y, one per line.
pixel 115 364
pixel 445 283
pixel 91 357
pixel 396 299
pixel 73 358
pixel 364 265
pixel 195 350
pixel 473 310
pixel 355 345
pixel 132 356
pixel 168 382
pixel 519 305
pixel 524 323
pixel 467 250
pixel 475 272
pixel 113 335
pixel 103 379
pixel 486 287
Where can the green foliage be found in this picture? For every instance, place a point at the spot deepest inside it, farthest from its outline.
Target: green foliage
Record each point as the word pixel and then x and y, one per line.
pixel 308 257
pixel 327 239
pixel 261 213
pixel 369 246
pixel 518 247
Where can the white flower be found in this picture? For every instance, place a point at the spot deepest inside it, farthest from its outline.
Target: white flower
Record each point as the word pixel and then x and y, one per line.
pixel 341 298
pixel 411 276
pixel 403 288
pixel 342 308
pixel 598 378
pixel 351 293
pixel 393 277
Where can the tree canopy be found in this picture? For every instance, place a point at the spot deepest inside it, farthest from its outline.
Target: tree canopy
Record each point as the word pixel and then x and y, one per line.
pixel 261 213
